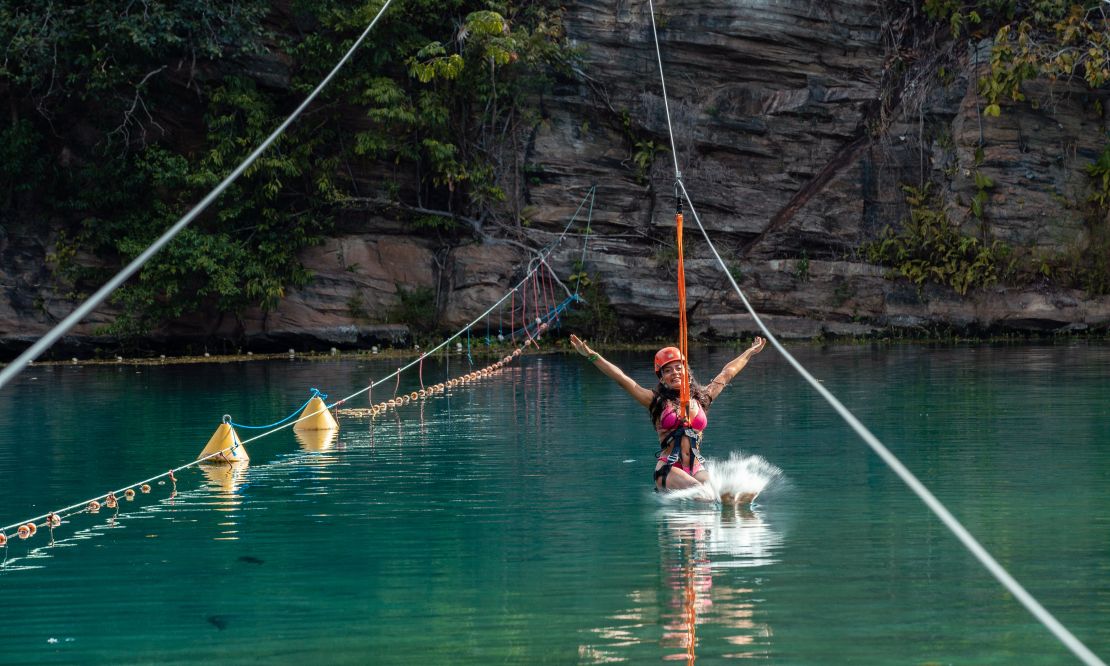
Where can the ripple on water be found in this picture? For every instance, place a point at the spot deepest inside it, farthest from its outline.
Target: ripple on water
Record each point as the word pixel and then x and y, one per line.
pixel 515 522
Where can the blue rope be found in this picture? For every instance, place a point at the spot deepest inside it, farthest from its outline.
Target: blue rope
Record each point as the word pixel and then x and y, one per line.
pixel 530 329
pixel 315 392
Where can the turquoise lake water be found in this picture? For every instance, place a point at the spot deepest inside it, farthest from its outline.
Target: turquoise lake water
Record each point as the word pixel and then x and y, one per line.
pixel 511 521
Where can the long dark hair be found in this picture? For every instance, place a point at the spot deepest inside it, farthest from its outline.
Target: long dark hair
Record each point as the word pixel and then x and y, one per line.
pixel 661 395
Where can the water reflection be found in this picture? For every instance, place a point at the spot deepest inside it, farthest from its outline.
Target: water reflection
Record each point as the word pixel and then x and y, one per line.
pixel 696 541
pixel 316 441
pixel 708 598
pixel 227 480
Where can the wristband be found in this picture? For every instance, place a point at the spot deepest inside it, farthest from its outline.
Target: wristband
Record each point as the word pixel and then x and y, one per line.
pixel 592 358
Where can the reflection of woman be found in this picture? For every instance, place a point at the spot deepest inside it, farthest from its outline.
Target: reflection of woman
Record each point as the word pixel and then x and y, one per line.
pixel 679 463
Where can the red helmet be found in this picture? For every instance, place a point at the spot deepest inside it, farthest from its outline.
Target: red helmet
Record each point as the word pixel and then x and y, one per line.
pixel 666 355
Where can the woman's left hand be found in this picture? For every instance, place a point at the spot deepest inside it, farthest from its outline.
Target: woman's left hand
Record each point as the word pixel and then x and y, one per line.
pixel 580 345
pixel 758 345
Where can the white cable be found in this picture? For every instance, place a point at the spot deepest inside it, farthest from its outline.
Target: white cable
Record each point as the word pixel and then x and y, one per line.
pixel 663 82
pixel 44 343
pixel 980 553
pixel 1051 623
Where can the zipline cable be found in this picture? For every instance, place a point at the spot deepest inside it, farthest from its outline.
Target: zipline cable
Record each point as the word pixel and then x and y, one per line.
pixel 1066 637
pixel 44 343
pixel 997 570
pixel 666 105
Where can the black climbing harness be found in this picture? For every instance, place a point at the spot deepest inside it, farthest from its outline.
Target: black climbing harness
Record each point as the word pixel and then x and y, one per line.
pixel 673 440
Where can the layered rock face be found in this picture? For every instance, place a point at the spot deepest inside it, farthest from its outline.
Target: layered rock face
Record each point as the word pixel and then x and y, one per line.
pixel 774 110
pixel 789 151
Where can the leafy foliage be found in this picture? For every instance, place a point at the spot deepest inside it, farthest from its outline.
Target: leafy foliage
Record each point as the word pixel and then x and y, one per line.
pixel 594 317
pixel 240 255
pixel 1055 39
pixel 106 57
pixel 930 248
pixel 466 68
pixel 105 95
pixel 23 166
pixel 1099 172
pixel 415 308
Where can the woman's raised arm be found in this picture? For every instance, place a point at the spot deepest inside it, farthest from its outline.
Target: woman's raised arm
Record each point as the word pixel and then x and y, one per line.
pixel 733 368
pixel 641 394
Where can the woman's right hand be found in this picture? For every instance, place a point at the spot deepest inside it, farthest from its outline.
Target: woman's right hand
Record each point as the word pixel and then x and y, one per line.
pixel 579 345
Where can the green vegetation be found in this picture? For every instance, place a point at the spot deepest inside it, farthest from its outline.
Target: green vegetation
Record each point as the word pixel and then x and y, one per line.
pixel 107 102
pixel 1048 40
pixel 931 248
pixel 1088 267
pixel 1053 39
pixel 595 318
pixel 416 308
pixel 1099 172
pixel 643 156
pixel 801 268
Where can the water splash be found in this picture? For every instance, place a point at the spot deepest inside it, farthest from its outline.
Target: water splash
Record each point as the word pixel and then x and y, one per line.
pixel 739 475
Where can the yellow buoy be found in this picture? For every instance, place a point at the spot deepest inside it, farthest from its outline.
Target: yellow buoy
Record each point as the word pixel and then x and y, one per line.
pixel 226 440
pixel 320 419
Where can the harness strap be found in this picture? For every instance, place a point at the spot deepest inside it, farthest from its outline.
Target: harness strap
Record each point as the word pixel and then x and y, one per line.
pixel 675 443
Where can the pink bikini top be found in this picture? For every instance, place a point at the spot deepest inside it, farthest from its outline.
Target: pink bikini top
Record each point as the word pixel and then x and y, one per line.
pixel 670 419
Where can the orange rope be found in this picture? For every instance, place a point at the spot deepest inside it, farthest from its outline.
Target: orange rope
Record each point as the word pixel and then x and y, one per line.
pixel 684 395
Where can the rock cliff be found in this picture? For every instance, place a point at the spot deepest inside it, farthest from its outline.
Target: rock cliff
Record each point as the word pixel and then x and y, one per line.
pixel 795 123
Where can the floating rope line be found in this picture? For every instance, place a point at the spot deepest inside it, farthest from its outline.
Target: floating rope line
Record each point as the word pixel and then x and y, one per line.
pixel 973 546
pixel 44 343
pixel 468 378
pixel 92 505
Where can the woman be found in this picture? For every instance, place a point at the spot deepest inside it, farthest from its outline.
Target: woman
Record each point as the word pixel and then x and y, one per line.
pixel 679 463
